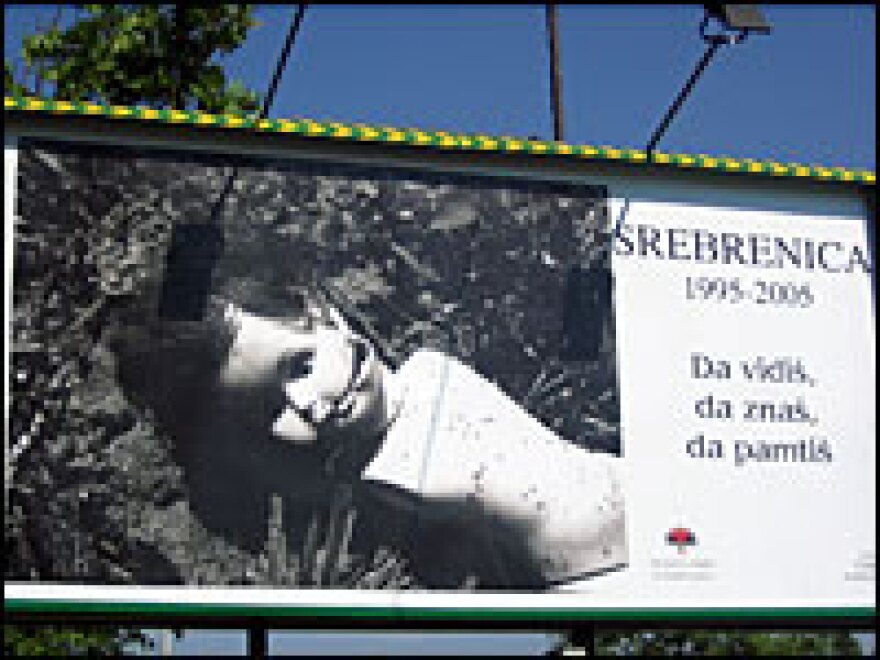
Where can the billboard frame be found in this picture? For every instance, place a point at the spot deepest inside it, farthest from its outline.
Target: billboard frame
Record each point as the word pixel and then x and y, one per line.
pixel 444 152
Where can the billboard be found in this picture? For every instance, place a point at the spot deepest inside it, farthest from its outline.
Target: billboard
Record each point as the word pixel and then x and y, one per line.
pixel 274 381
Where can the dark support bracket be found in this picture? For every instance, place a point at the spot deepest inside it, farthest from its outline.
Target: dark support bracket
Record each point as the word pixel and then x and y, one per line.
pixel 282 61
pixel 714 45
pixel 737 22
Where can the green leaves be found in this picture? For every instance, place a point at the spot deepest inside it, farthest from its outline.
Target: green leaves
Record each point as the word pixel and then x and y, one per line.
pixel 50 640
pixel 10 86
pixel 161 55
pixel 726 643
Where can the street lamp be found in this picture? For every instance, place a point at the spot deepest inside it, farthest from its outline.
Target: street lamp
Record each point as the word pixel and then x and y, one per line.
pixel 739 17
pixel 733 23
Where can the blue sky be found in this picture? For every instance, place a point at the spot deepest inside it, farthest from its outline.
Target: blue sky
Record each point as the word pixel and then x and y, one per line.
pixel 223 642
pixel 806 93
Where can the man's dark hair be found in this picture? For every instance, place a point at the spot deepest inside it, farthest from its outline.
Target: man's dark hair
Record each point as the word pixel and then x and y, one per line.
pixel 167 367
pixel 171 367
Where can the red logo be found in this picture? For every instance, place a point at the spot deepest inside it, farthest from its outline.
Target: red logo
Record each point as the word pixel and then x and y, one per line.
pixel 681 538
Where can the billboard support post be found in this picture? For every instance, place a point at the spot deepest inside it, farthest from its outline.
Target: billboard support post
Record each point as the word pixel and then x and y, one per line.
pixel 583 637
pixel 257 641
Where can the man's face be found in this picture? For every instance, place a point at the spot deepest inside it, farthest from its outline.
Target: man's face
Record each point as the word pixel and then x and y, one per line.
pixel 315 370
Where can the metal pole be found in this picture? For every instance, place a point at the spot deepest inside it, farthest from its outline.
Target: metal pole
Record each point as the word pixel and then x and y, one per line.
pixel 683 94
pixel 555 73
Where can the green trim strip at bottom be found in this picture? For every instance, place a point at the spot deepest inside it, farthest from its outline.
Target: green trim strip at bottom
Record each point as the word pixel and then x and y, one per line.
pixel 446 614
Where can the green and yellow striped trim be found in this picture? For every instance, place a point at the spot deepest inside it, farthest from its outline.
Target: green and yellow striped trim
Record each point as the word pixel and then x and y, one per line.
pixel 441 140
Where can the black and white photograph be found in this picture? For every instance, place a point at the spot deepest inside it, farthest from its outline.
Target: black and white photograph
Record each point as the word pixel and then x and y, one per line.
pixel 291 373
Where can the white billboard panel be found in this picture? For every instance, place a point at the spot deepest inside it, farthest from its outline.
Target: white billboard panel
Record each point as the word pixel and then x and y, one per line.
pixel 747 374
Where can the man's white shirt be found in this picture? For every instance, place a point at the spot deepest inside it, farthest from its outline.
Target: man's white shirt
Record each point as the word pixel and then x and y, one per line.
pixel 456 434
